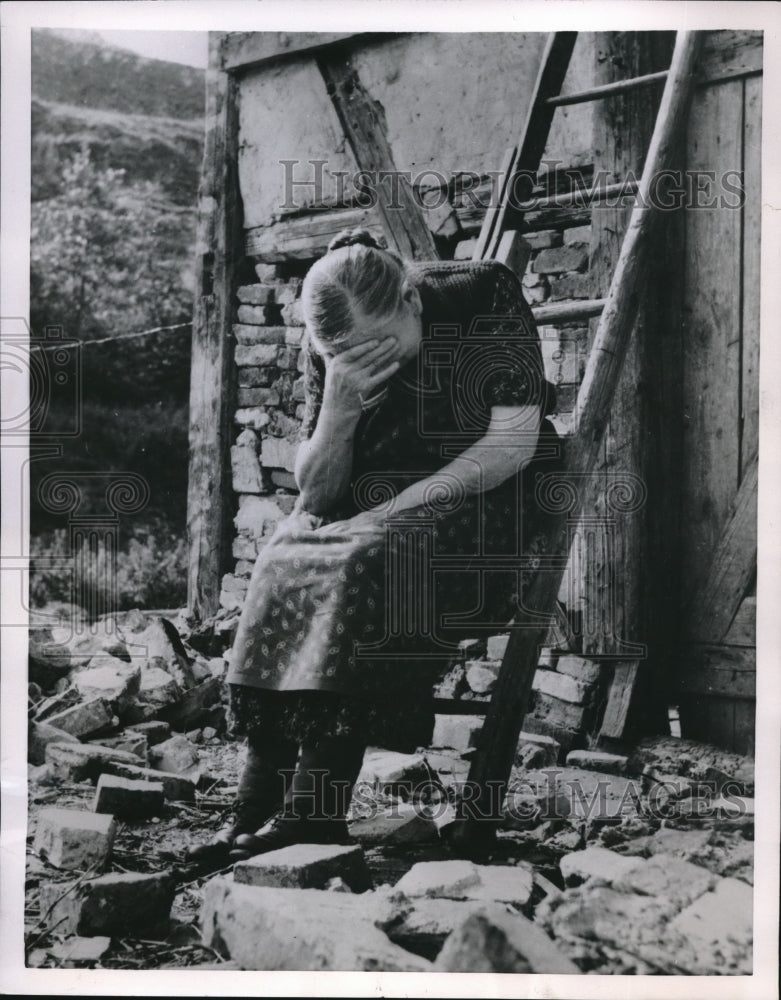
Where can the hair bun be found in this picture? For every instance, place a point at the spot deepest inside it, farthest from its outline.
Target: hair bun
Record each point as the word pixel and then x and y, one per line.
pixel 353 237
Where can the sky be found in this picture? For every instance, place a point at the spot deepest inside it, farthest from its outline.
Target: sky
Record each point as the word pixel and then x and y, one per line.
pixel 188 47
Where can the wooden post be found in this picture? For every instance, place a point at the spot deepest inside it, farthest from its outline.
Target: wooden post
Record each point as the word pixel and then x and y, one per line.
pixel 619 585
pixel 363 122
pixel 493 761
pixel 212 381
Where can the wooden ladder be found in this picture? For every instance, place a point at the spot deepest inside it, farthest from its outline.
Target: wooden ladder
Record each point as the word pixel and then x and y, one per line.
pixel 501 229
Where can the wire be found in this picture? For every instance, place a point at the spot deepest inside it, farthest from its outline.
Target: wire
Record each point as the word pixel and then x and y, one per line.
pixel 110 340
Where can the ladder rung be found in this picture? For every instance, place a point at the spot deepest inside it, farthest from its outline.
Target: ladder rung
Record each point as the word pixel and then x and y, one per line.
pixel 590 196
pixel 568 312
pixel 607 90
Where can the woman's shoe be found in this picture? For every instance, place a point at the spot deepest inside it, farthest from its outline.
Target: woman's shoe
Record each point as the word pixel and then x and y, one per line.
pixel 284 831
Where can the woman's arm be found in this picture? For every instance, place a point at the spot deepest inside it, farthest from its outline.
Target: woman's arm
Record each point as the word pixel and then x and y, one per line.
pixel 506 447
pixel 324 462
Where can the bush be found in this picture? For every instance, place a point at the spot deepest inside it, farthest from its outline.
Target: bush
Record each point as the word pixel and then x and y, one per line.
pixel 151 572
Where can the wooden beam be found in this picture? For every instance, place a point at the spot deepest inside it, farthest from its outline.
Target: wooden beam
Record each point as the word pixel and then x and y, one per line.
pixel 305 237
pixel 567 312
pixel 212 376
pixel 714 606
pixel 241 50
pixel 606 90
pixel 363 122
pixel 620 699
pixel 493 761
pixel 526 155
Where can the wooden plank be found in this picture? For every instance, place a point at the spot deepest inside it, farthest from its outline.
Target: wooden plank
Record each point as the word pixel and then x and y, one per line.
pixel 605 90
pixel 514 252
pixel 728 54
pixel 734 563
pixel 568 312
pixel 493 761
pixel 212 375
pixel 711 341
pixel 619 700
pixel 305 237
pixel 743 630
pixel 249 49
pixel 718 670
pixel 528 152
pixel 363 122
pixel 752 219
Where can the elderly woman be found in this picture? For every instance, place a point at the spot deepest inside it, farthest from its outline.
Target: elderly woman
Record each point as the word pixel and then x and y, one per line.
pixel 425 400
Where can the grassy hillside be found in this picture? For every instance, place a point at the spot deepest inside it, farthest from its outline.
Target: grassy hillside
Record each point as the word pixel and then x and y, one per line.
pixel 116 156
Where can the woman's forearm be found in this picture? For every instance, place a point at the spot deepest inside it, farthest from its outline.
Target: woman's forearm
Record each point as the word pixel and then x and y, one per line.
pixel 324 462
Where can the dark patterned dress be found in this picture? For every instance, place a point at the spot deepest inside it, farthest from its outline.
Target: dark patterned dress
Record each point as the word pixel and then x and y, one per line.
pixel 344 632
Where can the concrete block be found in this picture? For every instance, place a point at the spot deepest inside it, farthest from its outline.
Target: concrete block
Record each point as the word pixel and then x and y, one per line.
pixel 176 787
pixel 279 453
pixel 245 464
pixel 255 295
pixel 402 825
pixel 39 736
pixel 394 773
pixel 557 260
pixel 582 669
pixel 685 844
pixel 548 748
pixel 597 760
pixel 86 719
pixel 496 941
pixel 254 376
pixel 253 396
pixel 115 682
pixel 161 646
pixel 578 234
pixel 159 688
pixel 134 743
pixel 465 880
pixel 57 703
pixel 721 923
pixel 671 878
pixel 561 686
pixel 306 866
pixel 194 707
pixel 83 762
pixel 74 839
pixel 461 732
pixel 544 238
pixel 420 925
pixel 80 950
pixel 177 756
pixel 299 930
pixel 128 799
pixel 481 675
pixel 597 863
pixel 557 713
pixel 496 645
pixel 155 731
pixel 250 329
pixel 255 354
pixel 116 905
pixel 570 286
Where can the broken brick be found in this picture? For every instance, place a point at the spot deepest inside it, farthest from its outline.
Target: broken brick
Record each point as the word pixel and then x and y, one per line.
pixel 176 788
pixel 84 719
pixel 404 824
pixel 82 762
pixel 465 880
pixel 306 866
pixel 73 838
pixel 127 798
pixel 39 736
pixel 597 863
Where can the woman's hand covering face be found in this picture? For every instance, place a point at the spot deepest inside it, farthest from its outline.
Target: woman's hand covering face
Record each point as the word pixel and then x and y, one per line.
pixel 354 373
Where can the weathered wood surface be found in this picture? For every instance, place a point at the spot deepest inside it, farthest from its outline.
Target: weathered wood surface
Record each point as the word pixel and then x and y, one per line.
pixel 514 252
pixel 493 761
pixel 526 155
pixel 305 237
pixel 743 630
pixel 212 381
pixel 752 219
pixel 734 562
pixel 568 312
pixel 710 466
pixel 607 90
pixel 362 120
pixel 727 54
pixel 620 699
pixel 249 49
pixel 718 670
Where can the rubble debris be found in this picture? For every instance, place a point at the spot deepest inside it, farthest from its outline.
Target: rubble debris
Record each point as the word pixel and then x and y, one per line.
pixel 127 798
pixel 392 773
pixel 85 719
pixel 57 703
pixel 402 824
pixel 158 688
pixel 115 681
pixel 493 940
pixel 597 760
pixel 39 736
pixel 595 863
pixel 155 730
pixel 176 787
pixel 466 880
pixel 114 905
pixel 460 732
pixel 159 645
pixel 83 761
pixel 298 929
pixel 306 866
pixel 80 950
pixel 176 755
pixel 74 839
pixel 135 743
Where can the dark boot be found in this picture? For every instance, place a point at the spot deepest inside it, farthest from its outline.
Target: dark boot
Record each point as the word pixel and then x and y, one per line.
pixel 260 793
pixel 316 803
